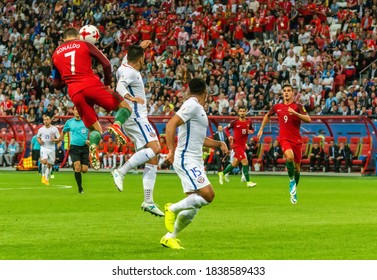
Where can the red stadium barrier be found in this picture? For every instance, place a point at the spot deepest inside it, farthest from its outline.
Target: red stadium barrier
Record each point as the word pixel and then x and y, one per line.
pixel 20 129
pixel 24 131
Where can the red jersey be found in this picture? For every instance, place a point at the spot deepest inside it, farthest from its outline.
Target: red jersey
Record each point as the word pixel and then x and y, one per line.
pixel 240 132
pixel 73 60
pixel 289 124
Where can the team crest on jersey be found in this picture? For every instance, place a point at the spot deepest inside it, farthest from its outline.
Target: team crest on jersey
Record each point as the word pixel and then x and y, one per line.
pixel 152 134
pixel 200 179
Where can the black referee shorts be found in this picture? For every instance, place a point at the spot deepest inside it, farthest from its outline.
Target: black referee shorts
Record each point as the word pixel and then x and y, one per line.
pixel 35 154
pixel 79 153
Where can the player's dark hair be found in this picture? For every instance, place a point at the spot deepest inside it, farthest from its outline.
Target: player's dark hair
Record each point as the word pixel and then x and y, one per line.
pixel 197 86
pixel 241 107
pixel 70 32
pixel 287 85
pixel 134 53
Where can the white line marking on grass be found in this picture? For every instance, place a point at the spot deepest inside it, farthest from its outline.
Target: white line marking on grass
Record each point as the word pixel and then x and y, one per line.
pixel 38 188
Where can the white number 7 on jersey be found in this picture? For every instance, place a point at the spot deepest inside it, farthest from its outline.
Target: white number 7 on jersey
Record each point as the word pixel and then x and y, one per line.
pixel 72 55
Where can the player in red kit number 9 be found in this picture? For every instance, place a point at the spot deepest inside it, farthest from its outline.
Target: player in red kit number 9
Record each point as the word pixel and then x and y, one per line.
pixel 241 130
pixel 72 64
pixel 290 115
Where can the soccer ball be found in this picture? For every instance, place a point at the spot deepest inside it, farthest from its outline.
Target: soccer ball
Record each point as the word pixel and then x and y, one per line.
pixel 89 33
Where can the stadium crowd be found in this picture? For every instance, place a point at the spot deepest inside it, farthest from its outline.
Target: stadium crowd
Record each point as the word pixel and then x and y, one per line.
pixel 245 50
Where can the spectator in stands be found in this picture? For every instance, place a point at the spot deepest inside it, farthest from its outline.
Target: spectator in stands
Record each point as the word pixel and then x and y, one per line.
pixel 30 71
pixel 372 73
pixel 272 155
pixel 100 150
pixel 252 149
pixel 3 149
pixel 316 157
pixel 332 157
pixel 345 155
pixel 110 153
pixel 220 158
pixel 12 151
pixel 163 153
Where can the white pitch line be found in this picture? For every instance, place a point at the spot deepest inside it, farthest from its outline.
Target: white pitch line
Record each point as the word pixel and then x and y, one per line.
pixel 38 188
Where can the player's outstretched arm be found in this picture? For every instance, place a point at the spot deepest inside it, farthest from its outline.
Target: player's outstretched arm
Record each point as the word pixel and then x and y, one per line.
pixel 171 128
pixel 266 119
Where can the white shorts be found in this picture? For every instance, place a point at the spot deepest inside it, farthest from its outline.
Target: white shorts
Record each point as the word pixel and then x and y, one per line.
pixel 48 154
pixel 140 131
pixel 192 174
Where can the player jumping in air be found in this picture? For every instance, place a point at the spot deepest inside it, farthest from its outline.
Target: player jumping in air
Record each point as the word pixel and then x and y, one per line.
pixel 72 63
pixel 138 129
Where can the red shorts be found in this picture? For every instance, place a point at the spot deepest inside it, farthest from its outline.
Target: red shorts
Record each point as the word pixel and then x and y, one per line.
pixel 95 95
pixel 239 153
pixel 296 148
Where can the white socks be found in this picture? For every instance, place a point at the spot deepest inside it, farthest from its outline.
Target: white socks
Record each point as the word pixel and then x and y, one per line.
pixel 137 159
pixel 149 179
pixel 121 159
pixel 193 200
pixel 184 218
pixel 47 173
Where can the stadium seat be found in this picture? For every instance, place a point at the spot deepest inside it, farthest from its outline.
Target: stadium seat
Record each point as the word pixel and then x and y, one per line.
pixel 355 146
pixel 267 140
pixel 305 147
pixel 342 139
pixel 365 152
pixel 317 139
pixel 328 139
pixel 8 136
pixel 20 137
pixel 264 147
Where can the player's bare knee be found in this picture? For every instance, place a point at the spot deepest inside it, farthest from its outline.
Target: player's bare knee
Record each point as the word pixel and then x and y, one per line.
pixel 84 168
pixel 154 161
pixel 77 167
pixel 155 146
pixel 208 194
pixel 290 157
pixel 297 169
pixel 210 197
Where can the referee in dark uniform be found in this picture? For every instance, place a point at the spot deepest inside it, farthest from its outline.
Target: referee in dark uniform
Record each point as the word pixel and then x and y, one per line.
pixel 79 149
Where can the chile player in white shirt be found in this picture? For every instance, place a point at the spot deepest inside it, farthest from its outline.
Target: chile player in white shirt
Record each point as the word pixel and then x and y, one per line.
pixel 138 128
pixel 47 136
pixel 192 123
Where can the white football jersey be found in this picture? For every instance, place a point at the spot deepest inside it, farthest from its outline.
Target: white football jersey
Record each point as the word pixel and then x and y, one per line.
pixel 192 133
pixel 47 135
pixel 131 79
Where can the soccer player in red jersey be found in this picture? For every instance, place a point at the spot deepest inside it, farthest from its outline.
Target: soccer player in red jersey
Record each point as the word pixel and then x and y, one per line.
pixel 72 63
pixel 290 114
pixel 241 130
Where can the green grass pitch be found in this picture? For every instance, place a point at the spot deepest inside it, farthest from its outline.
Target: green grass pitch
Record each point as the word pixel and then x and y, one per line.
pixel 335 218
